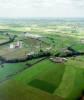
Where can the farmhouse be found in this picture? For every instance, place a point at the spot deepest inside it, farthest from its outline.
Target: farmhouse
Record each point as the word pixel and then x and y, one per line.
pixel 58 59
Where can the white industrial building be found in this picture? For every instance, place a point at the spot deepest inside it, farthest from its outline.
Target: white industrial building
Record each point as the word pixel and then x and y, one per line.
pixel 18 44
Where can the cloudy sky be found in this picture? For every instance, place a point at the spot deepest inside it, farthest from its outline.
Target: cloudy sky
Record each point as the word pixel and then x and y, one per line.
pixel 41 8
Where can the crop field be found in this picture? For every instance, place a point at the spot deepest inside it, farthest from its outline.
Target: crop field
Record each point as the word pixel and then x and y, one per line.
pixel 41 78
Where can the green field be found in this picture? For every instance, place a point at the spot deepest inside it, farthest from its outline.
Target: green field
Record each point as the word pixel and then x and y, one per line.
pixel 43 80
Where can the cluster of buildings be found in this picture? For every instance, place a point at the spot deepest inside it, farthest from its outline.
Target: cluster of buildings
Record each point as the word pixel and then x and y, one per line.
pixel 18 44
pixel 58 59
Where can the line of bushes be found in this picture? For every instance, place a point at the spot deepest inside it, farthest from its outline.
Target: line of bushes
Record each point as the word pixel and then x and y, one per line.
pixel 9 41
pixel 29 57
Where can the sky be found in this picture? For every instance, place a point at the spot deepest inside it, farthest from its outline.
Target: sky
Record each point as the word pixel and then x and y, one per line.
pixel 41 8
